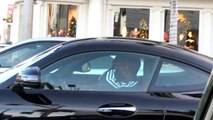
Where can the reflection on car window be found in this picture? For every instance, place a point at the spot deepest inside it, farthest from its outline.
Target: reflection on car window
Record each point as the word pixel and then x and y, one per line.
pixel 170 68
pixel 16 55
pixel 99 65
pixel 176 76
pixel 84 71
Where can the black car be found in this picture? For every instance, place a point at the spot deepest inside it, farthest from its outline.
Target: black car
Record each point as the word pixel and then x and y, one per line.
pixel 79 80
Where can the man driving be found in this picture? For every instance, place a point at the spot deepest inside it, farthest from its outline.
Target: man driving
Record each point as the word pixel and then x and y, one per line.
pixel 123 73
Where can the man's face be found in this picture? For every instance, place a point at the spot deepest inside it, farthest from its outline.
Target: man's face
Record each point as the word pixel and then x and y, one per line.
pixel 121 66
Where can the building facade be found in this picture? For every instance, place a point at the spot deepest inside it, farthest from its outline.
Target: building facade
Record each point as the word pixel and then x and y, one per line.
pixel 6 8
pixel 128 18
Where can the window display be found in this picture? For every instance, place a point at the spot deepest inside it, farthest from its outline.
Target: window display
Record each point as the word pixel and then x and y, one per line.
pixel 190 42
pixel 188 28
pixel 62 20
pixel 130 22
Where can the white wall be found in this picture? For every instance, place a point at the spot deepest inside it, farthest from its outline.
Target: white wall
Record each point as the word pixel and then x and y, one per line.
pixel 205 32
pixel 37 18
pixel 95 18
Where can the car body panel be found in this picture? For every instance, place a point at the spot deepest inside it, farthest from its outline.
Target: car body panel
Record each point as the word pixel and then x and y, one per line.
pixel 85 108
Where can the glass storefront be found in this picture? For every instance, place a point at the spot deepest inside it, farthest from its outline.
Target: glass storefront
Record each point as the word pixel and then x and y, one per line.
pixel 62 20
pixel 188 28
pixel 130 22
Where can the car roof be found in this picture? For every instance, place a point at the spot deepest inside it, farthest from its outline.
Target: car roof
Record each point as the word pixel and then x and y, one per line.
pixel 40 39
pixel 160 48
pixel 48 39
pixel 52 38
pixel 4 45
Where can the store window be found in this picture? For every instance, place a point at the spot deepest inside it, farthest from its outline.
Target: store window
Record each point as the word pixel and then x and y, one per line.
pixel 188 28
pixel 130 22
pixel 62 20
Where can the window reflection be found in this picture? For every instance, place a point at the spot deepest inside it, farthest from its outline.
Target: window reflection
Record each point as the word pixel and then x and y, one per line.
pixel 62 20
pixel 188 28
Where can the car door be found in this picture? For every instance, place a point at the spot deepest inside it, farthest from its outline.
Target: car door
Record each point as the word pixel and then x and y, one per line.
pixel 205 108
pixel 70 90
pixel 179 85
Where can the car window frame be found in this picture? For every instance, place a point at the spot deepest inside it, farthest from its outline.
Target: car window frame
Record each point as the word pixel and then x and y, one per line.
pixel 107 52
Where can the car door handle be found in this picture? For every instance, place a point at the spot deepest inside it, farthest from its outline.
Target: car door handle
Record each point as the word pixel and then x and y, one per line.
pixel 117 110
pixel 110 109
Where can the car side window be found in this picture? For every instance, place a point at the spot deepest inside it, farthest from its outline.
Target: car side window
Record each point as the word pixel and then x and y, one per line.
pixel 86 72
pixel 21 53
pixel 176 76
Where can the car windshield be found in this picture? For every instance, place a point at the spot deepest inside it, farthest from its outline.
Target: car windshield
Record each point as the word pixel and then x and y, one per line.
pixel 14 70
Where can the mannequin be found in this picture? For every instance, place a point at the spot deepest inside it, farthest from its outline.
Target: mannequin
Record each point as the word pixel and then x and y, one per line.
pixel 124 31
pixel 190 43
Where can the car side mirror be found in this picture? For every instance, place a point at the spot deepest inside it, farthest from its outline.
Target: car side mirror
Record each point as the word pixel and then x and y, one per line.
pixel 29 77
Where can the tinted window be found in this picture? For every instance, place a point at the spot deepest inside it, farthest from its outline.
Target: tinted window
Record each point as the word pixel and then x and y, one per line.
pixel 85 71
pixel 90 71
pixel 18 54
pixel 176 76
